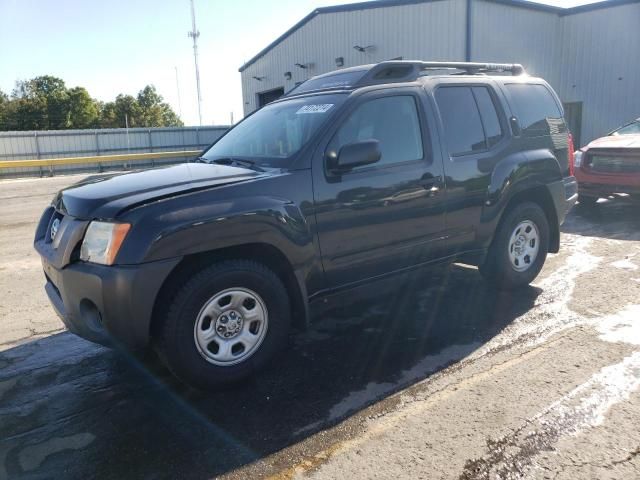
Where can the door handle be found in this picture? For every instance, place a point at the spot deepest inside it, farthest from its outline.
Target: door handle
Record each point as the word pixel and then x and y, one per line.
pixel 432 184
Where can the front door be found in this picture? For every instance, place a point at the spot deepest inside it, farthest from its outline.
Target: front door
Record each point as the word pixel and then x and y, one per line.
pixel 387 216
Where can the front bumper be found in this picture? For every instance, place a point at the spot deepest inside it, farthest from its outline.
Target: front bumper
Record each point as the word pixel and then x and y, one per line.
pixel 598 184
pixel 104 304
pixel 606 189
pixel 107 304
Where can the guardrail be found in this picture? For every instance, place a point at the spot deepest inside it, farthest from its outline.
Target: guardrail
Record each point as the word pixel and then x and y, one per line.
pixel 52 162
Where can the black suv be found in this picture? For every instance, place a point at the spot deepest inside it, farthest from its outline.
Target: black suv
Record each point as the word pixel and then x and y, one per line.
pixel 351 179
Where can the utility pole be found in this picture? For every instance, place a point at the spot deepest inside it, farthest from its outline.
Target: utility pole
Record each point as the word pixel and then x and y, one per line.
pixel 178 90
pixel 194 33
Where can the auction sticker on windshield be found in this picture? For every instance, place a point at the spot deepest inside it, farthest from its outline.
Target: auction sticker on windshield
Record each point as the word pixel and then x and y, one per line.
pixel 321 108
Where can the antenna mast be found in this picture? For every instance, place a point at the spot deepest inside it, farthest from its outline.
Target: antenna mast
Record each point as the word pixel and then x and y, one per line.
pixel 194 33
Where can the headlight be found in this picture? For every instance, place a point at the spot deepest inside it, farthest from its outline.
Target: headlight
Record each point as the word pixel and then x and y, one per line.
pixel 577 158
pixel 102 242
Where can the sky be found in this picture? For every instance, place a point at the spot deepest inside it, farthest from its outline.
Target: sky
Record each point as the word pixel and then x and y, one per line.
pixel 119 46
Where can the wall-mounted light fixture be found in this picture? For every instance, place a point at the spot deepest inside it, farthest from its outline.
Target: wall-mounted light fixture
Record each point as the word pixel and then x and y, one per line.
pixel 339 61
pixel 363 49
pixel 302 65
pixel 287 75
pixel 258 78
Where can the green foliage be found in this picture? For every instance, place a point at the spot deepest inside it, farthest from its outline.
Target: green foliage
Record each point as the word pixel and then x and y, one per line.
pixel 45 103
pixel 4 100
pixel 83 110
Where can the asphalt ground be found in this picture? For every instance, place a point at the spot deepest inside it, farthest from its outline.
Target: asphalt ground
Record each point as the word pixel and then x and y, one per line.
pixel 443 378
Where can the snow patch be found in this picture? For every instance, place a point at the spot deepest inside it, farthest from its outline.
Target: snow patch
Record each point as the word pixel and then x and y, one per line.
pixel 551 313
pixel 625 264
pixel 586 405
pixel 622 327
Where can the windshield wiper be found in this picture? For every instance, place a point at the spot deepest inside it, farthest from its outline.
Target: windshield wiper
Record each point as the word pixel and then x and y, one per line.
pixel 232 161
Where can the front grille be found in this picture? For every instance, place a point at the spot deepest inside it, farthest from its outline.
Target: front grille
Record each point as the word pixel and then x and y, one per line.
pixel 614 161
pixel 54 225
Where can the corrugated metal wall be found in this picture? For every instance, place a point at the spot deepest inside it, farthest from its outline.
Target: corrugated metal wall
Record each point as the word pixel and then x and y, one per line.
pixel 599 65
pixel 84 143
pixel 582 55
pixel 516 35
pixel 430 30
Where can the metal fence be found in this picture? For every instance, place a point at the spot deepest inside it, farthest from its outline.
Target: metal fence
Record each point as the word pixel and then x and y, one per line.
pixel 36 145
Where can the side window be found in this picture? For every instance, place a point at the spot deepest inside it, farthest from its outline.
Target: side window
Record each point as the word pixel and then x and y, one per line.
pixel 535 108
pixel 393 121
pixel 489 115
pixel 461 120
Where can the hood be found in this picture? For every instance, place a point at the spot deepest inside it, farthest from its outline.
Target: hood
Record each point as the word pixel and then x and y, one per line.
pixel 616 141
pixel 104 196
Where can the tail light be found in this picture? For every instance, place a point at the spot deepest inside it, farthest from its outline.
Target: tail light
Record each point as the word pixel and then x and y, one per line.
pixel 571 152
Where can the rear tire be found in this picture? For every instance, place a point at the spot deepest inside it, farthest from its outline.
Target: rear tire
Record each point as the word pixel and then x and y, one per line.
pixel 224 324
pixel 587 201
pixel 519 247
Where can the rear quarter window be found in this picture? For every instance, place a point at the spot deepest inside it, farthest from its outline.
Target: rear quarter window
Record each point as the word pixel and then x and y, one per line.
pixel 535 108
pixel 469 117
pixel 461 120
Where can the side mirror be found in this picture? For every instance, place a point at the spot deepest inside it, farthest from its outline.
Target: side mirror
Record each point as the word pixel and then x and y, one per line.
pixel 354 155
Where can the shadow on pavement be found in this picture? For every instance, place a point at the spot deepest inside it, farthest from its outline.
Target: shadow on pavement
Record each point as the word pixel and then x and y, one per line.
pixel 616 218
pixel 72 409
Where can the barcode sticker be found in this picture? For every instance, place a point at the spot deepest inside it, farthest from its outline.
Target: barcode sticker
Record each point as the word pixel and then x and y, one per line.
pixel 321 108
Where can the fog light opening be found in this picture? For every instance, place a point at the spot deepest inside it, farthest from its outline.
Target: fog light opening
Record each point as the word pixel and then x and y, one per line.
pixel 91 315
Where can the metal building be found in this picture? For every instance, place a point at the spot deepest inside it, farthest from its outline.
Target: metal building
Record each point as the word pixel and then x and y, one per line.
pixel 589 54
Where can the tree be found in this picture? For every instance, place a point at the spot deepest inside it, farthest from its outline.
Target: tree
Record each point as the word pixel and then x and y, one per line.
pixel 154 112
pixel 45 103
pixel 4 100
pixel 83 110
pixel 128 111
pixel 47 99
pixel 26 114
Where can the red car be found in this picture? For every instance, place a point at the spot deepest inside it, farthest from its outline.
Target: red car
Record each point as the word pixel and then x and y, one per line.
pixel 609 165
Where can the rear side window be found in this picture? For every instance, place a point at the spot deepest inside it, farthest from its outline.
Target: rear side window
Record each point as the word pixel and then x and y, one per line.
pixel 461 119
pixel 469 118
pixel 535 108
pixel 393 121
pixel 490 121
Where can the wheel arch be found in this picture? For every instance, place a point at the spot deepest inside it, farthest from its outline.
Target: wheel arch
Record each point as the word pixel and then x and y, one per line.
pixel 541 196
pixel 521 177
pixel 263 253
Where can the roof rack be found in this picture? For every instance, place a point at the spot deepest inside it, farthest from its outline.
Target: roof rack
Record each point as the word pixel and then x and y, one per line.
pixel 396 71
pixel 473 67
pixel 410 70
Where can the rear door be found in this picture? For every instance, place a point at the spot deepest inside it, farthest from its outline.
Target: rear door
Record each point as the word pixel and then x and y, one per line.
pixel 386 216
pixel 475 137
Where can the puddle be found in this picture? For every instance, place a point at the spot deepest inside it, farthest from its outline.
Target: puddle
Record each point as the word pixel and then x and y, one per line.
pixel 32 456
pixel 359 399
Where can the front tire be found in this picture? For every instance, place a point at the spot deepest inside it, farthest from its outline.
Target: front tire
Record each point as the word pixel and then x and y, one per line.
pixel 519 247
pixel 224 324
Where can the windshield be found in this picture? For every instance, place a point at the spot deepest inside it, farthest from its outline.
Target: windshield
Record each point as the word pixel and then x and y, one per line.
pixel 272 135
pixel 632 128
